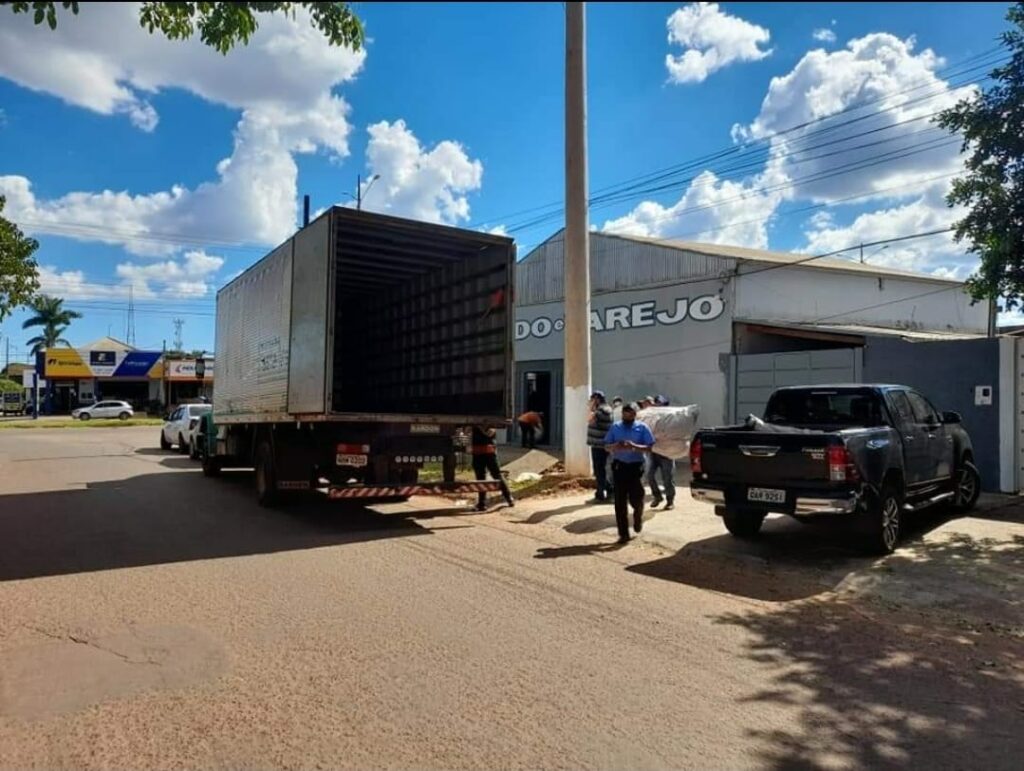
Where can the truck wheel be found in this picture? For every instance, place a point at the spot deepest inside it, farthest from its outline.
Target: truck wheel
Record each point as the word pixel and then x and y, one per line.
pixel 266 476
pixel 193 451
pixel 967 487
pixel 883 522
pixel 744 523
pixel 164 444
pixel 182 444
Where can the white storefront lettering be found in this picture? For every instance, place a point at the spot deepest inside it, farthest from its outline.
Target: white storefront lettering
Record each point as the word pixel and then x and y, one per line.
pixel 634 316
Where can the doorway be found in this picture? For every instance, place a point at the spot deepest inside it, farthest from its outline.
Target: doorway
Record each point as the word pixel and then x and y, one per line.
pixel 540 390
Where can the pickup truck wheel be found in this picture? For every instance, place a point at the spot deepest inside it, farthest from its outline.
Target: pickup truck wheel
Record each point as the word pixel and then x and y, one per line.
pixel 967 488
pixel 164 444
pixel 744 524
pixel 266 476
pixel 193 451
pixel 182 444
pixel 884 522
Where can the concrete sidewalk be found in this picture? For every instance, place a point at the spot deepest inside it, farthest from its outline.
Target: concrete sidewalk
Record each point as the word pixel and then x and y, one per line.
pixel 969 567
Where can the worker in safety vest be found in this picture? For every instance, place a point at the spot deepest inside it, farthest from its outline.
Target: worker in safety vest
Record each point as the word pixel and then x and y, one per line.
pixel 485 459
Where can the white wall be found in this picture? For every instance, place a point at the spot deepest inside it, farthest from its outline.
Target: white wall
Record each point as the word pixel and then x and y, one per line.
pixel 809 295
pixel 649 346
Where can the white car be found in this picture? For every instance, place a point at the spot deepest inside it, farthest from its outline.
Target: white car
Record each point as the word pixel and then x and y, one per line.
pixel 105 409
pixel 180 428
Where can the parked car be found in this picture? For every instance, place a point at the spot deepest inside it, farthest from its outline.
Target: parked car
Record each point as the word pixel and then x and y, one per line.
pixel 867 453
pixel 181 426
pixel 104 409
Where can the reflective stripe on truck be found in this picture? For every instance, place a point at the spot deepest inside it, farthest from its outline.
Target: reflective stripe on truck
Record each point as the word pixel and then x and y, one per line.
pixel 387 491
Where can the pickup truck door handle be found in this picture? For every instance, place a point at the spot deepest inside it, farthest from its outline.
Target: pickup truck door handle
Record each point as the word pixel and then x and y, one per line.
pixel 758 450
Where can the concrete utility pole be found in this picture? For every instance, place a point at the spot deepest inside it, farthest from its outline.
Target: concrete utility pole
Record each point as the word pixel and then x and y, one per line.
pixel 577 245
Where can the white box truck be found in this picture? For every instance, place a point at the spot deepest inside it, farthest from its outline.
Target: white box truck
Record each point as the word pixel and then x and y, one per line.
pixel 348 357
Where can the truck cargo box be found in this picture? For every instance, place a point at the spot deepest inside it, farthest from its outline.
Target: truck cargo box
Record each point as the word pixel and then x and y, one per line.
pixel 368 317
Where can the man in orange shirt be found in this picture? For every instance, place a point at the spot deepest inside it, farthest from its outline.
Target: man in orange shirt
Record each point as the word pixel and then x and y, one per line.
pixel 531 426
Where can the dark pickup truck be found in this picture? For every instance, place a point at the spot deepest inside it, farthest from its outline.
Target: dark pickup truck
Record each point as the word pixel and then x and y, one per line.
pixel 865 453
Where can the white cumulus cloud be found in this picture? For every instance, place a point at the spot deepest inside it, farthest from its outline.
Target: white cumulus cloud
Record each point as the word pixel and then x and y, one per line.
pixel 711 39
pixel 430 185
pixel 712 210
pixel 938 255
pixel 824 35
pixel 189 277
pixel 102 61
pixel 882 95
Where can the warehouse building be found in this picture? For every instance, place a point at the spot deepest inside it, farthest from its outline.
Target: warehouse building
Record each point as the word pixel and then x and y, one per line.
pixel 722 326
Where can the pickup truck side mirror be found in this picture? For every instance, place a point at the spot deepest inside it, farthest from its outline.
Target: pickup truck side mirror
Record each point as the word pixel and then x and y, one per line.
pixel 951 417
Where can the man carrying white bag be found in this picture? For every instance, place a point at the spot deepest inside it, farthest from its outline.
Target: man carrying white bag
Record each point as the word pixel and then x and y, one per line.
pixel 673 427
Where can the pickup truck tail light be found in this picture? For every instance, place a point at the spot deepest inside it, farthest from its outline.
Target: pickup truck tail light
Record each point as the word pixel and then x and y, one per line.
pixel 353 449
pixel 840 464
pixel 696 457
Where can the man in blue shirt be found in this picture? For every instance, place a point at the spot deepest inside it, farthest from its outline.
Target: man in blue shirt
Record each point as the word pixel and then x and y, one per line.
pixel 628 441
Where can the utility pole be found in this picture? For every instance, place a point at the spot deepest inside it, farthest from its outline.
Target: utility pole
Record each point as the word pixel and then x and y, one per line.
pixel 129 332
pixel 577 245
pixel 359 192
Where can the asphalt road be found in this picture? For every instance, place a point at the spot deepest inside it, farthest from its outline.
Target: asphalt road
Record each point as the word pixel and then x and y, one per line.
pixel 150 617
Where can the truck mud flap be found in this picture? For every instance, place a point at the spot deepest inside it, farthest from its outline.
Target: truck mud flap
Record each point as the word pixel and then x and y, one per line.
pixel 389 491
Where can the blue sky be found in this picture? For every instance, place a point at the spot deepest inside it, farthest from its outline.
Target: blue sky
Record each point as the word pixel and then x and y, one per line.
pixel 162 166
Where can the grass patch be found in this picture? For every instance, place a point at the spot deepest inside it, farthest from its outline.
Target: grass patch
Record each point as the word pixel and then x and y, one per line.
pixel 71 423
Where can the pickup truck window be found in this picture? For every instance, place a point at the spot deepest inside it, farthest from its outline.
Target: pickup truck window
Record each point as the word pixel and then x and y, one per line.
pixel 901 405
pixel 824 408
pixel 923 411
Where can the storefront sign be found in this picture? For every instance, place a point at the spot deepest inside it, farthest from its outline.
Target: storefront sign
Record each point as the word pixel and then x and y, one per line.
pixel 634 316
pixel 186 370
pixel 81 364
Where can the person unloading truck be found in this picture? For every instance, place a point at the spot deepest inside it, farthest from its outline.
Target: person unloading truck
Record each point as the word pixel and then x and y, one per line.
pixel 485 460
pixel 628 441
pixel 531 425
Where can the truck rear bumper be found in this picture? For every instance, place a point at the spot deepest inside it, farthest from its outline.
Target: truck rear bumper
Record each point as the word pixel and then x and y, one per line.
pixel 803 505
pixel 402 491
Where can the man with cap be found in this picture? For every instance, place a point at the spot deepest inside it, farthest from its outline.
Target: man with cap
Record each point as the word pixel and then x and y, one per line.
pixel 597 428
pixel 666 466
pixel 628 441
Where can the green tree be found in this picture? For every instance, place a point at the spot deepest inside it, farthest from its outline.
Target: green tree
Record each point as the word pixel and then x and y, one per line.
pixel 54 318
pixel 992 126
pixel 19 279
pixel 220 25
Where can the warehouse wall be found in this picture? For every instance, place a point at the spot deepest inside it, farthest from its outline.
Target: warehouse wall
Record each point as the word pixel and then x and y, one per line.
pixel 947 373
pixel 809 295
pixel 671 340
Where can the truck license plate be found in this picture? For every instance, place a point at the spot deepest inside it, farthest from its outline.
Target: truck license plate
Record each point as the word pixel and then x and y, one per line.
pixel 356 461
pixel 764 495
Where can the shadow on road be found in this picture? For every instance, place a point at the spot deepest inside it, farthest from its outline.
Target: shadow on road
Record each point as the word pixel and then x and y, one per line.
pixel 159 518
pixel 884 691
pixel 545 514
pixel 581 550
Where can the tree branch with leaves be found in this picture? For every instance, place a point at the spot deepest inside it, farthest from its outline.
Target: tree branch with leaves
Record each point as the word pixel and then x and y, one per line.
pixel 220 25
pixel 19 275
pixel 992 126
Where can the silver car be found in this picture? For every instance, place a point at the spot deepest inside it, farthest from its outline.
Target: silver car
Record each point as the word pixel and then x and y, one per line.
pixel 104 409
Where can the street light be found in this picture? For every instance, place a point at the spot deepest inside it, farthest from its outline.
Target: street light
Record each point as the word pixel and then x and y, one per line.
pixel 359 189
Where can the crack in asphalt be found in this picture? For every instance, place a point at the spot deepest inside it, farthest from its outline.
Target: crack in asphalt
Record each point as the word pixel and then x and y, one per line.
pixel 89 643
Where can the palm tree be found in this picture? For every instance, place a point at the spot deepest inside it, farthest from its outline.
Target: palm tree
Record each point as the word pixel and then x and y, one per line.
pixel 53 318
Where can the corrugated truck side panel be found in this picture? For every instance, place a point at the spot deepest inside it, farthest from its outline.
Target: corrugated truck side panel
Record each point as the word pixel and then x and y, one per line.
pixel 253 336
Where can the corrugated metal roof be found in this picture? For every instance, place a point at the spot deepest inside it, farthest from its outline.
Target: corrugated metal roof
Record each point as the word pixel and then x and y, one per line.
pixel 625 262
pixel 867 330
pixel 745 254
pixel 540 278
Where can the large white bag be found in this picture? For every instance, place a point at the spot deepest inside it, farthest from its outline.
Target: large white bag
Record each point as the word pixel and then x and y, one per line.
pixel 673 427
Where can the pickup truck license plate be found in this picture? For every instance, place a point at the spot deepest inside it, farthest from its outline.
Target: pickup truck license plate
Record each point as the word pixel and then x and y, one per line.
pixel 356 461
pixel 764 495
